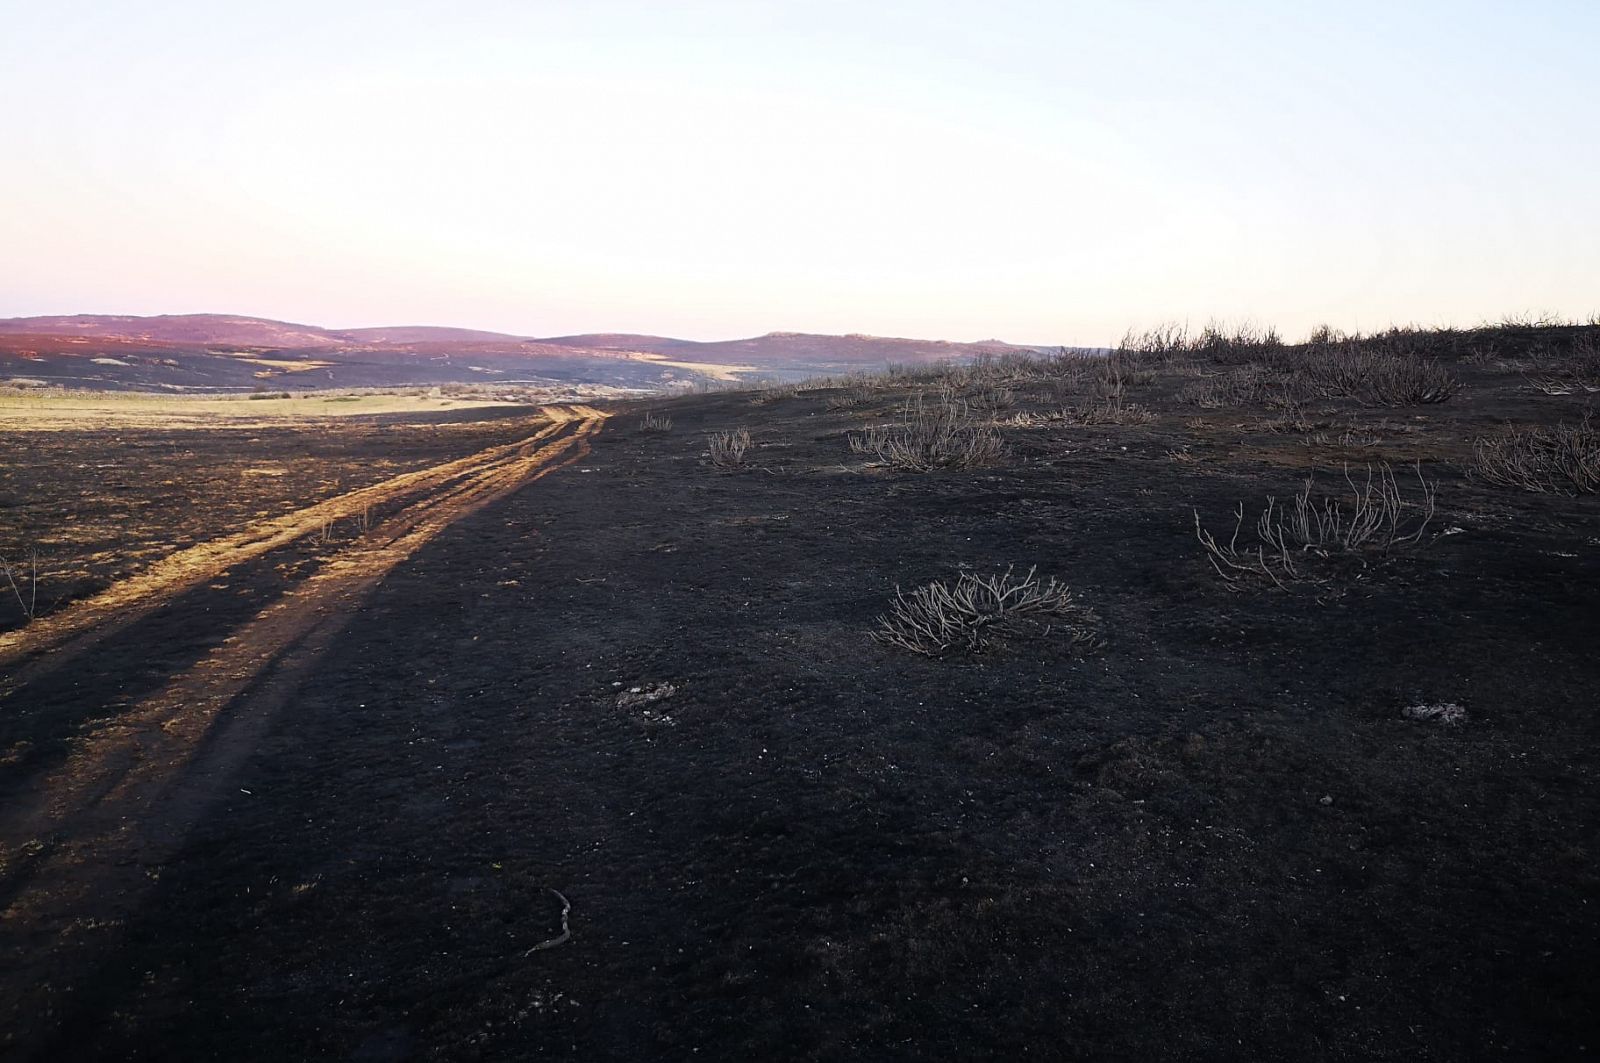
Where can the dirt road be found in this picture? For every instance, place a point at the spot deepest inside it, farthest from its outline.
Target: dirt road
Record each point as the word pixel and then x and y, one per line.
pixel 90 837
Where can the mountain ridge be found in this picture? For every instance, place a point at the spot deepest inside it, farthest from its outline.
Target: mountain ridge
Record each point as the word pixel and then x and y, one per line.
pixel 240 352
pixel 247 330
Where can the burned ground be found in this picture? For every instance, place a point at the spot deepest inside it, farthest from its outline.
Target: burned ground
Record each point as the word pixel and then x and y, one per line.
pixel 1216 835
pixel 99 504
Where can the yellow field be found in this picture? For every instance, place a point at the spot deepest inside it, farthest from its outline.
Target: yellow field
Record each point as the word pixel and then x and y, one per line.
pixel 714 370
pixel 35 411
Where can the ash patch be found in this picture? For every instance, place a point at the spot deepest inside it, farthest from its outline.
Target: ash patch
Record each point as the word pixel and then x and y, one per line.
pixel 1445 712
pixel 641 698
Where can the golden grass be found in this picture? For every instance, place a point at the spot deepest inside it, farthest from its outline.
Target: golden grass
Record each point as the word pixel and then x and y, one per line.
pixel 176 572
pixel 714 370
pixel 23 410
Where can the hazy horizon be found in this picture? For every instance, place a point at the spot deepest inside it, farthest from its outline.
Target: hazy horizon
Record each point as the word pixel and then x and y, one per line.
pixel 1038 173
pixel 1190 326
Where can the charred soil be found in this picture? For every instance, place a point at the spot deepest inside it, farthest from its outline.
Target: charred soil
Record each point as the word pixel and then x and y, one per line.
pixel 610 766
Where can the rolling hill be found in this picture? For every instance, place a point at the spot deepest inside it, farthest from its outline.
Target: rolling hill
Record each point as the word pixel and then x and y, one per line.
pixel 224 352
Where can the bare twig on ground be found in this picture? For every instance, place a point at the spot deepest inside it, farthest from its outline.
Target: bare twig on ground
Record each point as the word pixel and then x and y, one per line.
pixel 849 399
pixel 943 435
pixel 566 927
pixel 1372 521
pixel 938 617
pixel 20 574
pixel 727 449
pixel 655 422
pixel 1560 459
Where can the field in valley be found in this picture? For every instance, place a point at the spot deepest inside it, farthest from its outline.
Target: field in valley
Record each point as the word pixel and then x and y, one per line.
pixel 750 723
pixel 24 410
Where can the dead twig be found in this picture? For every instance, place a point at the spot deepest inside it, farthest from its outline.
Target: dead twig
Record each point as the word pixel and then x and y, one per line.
pixel 1372 521
pixel 1554 459
pixel 566 928
pixel 727 449
pixel 24 573
pixel 937 617
pixel 943 435
pixel 655 422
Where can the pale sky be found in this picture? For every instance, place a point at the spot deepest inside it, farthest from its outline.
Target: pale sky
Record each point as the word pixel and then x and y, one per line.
pixel 1047 172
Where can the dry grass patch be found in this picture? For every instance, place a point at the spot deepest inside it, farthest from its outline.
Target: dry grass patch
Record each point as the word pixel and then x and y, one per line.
pixel 655 422
pixel 1369 523
pixel 1239 386
pixel 992 402
pixel 21 577
pixel 1020 368
pixel 727 450
pixel 940 435
pixel 1350 437
pixel 1575 372
pixel 1107 410
pixel 976 611
pixel 1564 385
pixel 1563 459
pixel 850 399
pixel 767 396
pixel 1217 343
pixel 1377 377
pixel 1107 402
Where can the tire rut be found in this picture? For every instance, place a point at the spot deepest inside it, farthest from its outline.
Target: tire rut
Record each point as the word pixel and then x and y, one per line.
pixel 80 855
pixel 50 641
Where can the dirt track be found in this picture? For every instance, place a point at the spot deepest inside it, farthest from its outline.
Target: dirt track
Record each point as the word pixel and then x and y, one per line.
pixel 81 849
pixel 445 491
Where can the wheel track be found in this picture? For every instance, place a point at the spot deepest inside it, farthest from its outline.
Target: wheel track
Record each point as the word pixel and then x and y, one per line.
pixel 51 641
pixel 81 851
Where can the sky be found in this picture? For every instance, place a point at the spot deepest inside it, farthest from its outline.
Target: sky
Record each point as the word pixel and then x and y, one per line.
pixel 1050 172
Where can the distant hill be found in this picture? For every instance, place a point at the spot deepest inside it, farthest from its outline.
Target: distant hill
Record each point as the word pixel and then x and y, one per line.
pixel 620 341
pixel 794 350
pixel 230 352
pixel 426 334
pixel 185 329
